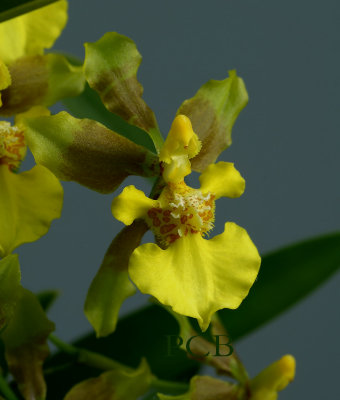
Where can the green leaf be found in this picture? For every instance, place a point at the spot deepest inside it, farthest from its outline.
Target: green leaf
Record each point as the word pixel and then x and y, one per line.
pixel 88 105
pixel 111 286
pixel 87 152
pixel 10 277
pixel 40 80
pixel 213 111
pixel 13 8
pixel 286 277
pixel 141 334
pixel 117 384
pixel 111 66
pixel 26 347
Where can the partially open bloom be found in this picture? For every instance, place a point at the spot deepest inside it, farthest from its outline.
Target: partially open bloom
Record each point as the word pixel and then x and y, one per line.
pixel 30 200
pixel 273 379
pixel 193 275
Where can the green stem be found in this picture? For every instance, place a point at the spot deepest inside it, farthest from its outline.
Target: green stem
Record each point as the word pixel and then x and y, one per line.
pixel 169 387
pixel 6 390
pixel 19 7
pixel 87 357
pixel 100 361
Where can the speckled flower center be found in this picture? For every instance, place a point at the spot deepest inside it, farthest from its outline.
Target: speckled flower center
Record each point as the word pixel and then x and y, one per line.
pixel 183 211
pixel 12 146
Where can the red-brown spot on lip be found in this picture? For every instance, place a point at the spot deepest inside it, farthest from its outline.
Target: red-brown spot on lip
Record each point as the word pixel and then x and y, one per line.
pixel 152 213
pixel 166 219
pixel 184 219
pixel 156 221
pixel 191 216
pixel 166 213
pixel 171 238
pixel 167 228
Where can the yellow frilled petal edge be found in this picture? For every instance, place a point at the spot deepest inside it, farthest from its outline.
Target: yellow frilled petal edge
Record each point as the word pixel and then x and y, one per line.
pixel 131 204
pixel 31 33
pixel 195 276
pixel 223 180
pixel 29 202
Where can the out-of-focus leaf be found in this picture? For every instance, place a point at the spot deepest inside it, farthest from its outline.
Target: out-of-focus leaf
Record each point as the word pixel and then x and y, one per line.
pixel 111 66
pixel 40 79
pixel 213 111
pixel 88 105
pixel 117 384
pixel 26 347
pixel 111 286
pixel 13 8
pixel 47 298
pixel 141 334
pixel 87 152
pixel 9 287
pixel 286 276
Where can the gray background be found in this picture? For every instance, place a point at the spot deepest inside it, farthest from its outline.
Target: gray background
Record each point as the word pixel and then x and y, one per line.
pixel 285 143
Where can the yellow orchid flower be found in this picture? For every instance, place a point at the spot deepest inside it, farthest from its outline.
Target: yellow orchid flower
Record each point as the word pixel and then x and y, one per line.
pixel 30 200
pixel 27 77
pixel 273 379
pixel 193 275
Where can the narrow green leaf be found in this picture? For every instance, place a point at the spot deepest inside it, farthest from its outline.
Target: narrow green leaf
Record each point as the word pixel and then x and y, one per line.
pixel 111 66
pixel 88 105
pixel 286 276
pixel 213 111
pixel 87 152
pixel 13 8
pixel 111 286
pixel 9 287
pixel 26 347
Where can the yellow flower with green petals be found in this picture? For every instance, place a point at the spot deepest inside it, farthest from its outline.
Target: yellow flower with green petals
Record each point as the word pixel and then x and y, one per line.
pixel 27 77
pixel 30 200
pixel 193 275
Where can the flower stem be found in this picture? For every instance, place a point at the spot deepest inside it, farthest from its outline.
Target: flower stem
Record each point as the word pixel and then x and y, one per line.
pixel 100 361
pixel 87 357
pixel 6 390
pixel 168 386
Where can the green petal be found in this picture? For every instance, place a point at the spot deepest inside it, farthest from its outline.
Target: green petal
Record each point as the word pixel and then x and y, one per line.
pixel 26 347
pixel 87 152
pixel 10 277
pixel 31 33
pixel 30 201
pixel 40 80
pixel 197 277
pixel 213 111
pixel 111 66
pixel 111 286
pixel 118 384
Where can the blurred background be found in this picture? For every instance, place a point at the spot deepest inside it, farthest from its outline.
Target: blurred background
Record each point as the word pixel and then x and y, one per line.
pixel 285 143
